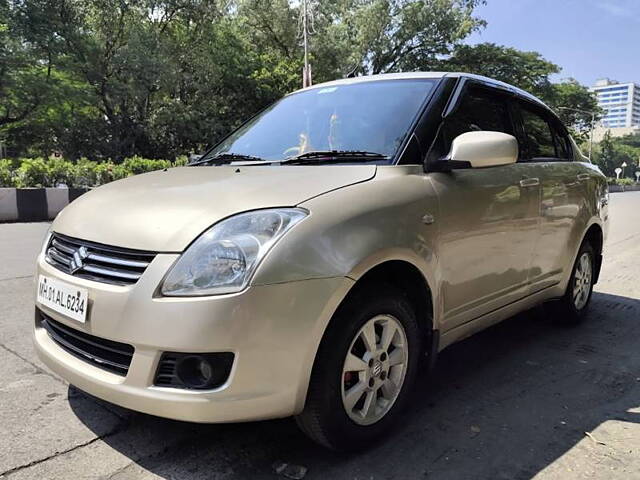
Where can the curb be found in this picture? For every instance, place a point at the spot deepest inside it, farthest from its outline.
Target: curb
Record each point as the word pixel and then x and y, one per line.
pixel 624 188
pixel 35 204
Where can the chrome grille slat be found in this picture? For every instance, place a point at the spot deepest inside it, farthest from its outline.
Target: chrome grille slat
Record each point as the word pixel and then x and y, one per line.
pixel 58 257
pixel 117 261
pixel 62 248
pixel 101 263
pixel 112 273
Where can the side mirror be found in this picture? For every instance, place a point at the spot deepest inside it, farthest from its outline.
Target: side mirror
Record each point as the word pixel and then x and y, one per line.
pixel 484 149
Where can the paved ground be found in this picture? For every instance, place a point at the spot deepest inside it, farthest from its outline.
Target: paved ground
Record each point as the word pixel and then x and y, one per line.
pixel 513 402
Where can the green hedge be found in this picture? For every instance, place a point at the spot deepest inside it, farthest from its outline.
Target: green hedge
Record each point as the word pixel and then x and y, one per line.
pixel 38 172
pixel 621 181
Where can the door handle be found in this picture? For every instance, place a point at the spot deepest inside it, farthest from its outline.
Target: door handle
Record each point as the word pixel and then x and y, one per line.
pixel 529 182
pixel 583 176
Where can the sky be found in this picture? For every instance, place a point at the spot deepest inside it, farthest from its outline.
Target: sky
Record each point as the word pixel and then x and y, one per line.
pixel 589 39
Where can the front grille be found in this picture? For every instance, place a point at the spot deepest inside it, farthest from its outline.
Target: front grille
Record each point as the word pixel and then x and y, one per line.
pixel 97 262
pixel 106 354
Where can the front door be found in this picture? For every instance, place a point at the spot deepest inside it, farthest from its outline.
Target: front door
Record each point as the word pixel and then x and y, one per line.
pixel 488 219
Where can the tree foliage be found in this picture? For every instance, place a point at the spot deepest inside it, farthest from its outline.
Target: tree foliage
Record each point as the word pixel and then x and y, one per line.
pixel 526 70
pixel 110 79
pixel 610 153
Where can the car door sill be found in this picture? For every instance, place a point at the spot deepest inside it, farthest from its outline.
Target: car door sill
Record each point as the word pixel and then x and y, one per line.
pixel 470 327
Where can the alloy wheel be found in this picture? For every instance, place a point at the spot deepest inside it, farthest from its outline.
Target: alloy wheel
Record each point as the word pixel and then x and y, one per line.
pixel 374 369
pixel 582 281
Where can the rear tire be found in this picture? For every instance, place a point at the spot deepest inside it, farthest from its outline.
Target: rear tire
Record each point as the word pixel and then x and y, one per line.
pixel 572 307
pixel 364 371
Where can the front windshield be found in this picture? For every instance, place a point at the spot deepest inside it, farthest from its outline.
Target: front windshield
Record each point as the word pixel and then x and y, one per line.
pixel 371 116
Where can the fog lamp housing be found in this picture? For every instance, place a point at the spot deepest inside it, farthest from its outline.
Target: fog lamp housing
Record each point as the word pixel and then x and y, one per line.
pixel 193 371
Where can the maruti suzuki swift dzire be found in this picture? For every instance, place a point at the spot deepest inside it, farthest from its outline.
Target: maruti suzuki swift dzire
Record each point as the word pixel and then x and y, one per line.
pixel 307 263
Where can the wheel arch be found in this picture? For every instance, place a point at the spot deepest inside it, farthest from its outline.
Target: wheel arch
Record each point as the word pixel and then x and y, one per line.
pixel 410 280
pixel 595 236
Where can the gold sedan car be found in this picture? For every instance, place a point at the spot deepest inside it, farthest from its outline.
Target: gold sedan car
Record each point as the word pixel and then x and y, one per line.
pixel 307 263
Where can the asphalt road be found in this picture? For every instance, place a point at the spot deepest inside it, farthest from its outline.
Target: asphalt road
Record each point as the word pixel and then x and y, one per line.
pixel 513 402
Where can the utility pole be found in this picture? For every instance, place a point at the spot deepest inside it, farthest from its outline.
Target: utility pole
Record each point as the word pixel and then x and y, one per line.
pixel 306 25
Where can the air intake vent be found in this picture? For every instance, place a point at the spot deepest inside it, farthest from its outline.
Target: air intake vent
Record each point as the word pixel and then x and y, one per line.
pixel 97 262
pixel 106 354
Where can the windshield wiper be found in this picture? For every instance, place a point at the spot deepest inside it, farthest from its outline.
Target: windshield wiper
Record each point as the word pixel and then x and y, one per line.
pixel 229 157
pixel 334 156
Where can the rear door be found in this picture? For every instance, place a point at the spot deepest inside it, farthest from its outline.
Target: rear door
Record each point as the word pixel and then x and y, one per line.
pixel 547 149
pixel 488 219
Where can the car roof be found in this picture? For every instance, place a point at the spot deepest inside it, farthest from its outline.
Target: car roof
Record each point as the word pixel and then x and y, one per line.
pixel 429 75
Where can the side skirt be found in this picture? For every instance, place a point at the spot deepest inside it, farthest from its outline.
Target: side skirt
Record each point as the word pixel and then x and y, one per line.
pixel 464 331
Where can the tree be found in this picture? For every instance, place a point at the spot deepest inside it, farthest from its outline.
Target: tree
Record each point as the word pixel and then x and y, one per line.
pixel 160 78
pixel 526 70
pixel 25 67
pixel 632 140
pixel 576 105
pixel 270 28
pixel 155 78
pixel 381 36
pixel 611 153
pixel 605 157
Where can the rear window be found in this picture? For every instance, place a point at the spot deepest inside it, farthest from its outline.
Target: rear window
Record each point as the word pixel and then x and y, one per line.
pixel 539 136
pixel 544 139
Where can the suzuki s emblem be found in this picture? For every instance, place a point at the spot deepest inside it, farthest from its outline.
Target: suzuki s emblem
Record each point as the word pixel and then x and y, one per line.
pixel 77 261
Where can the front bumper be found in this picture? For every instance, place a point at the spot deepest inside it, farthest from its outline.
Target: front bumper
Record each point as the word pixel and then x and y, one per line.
pixel 273 331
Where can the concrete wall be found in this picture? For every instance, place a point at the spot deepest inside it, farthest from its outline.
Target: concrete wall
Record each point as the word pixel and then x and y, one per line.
pixel 8 205
pixel 35 204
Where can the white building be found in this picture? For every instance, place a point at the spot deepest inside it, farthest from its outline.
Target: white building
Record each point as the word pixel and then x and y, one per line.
pixel 620 101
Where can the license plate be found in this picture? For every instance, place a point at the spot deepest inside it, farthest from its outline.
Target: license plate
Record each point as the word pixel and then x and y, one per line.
pixel 66 299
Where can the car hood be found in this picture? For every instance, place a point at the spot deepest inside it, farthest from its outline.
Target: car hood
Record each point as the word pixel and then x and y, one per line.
pixel 165 211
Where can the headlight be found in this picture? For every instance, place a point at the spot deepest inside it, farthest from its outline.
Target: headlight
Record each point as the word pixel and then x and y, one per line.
pixel 223 259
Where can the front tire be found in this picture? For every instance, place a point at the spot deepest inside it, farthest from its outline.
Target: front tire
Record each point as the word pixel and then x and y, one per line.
pixel 365 368
pixel 572 307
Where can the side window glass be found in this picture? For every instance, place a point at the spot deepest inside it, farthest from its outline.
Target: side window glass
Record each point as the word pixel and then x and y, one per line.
pixel 479 110
pixel 539 136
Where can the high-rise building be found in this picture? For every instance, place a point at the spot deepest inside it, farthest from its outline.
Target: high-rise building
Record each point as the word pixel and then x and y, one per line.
pixel 620 101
